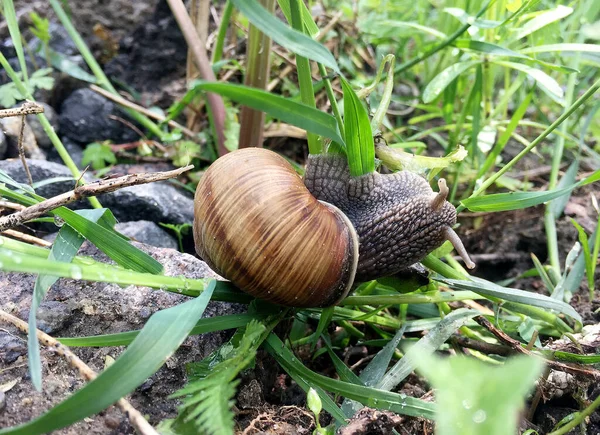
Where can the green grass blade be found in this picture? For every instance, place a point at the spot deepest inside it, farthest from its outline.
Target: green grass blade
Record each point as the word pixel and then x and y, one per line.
pixel 520 200
pixel 542 19
pixel 287 37
pixel 488 48
pixel 15 36
pixel 426 346
pixel 13 261
pixel 584 48
pixel 161 336
pixel 490 289
pixel 359 137
pixel 546 83
pixel 292 112
pixel 65 247
pixel 368 396
pixel 437 85
pixel 211 324
pixel 309 24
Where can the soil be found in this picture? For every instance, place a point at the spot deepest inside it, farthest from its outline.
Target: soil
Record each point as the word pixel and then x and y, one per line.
pixel 268 400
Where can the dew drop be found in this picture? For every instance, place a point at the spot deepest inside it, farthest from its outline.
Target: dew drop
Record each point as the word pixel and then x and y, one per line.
pixel 479 416
pixel 76 272
pixel 466 404
pixel 58 221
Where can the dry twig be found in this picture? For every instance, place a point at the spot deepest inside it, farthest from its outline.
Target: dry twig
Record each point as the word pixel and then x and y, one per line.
pixel 27 108
pixel 515 345
pixel 91 189
pixel 135 417
pixel 27 238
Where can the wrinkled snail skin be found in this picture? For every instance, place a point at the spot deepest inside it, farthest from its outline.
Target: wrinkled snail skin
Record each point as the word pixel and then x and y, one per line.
pixel 304 244
pixel 258 226
pixel 399 219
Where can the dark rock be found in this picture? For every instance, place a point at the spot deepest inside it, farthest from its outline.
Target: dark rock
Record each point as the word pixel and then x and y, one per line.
pixel 52 316
pixel 73 148
pixel 38 131
pixel 100 308
pixel 60 41
pixel 157 49
pixel 156 202
pixel 12 129
pixel 147 232
pixel 11 347
pixel 85 117
pixel 41 170
pixel 3 144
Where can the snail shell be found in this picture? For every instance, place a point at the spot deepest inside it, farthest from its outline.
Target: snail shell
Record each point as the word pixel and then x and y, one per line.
pixel 258 225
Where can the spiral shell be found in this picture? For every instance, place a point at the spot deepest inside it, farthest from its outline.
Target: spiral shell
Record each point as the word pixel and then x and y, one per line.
pixel 257 225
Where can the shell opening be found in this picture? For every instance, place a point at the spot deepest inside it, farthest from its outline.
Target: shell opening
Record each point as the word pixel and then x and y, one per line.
pixel 453 238
pixel 438 201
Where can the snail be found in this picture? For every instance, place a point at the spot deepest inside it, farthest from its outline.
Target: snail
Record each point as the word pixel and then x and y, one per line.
pixel 304 243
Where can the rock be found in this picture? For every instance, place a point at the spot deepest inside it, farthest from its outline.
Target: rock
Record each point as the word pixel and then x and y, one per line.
pixel 85 117
pixel 11 347
pixel 60 41
pixel 156 202
pixel 12 129
pixel 3 144
pixel 100 308
pixel 157 48
pixel 74 149
pixel 147 232
pixel 41 170
pixel 52 316
pixel 40 135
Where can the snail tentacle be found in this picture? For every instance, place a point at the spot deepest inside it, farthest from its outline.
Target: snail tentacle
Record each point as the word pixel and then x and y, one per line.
pixel 453 238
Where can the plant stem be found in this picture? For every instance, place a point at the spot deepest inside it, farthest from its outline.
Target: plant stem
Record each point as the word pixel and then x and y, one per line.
pixel 258 55
pixel 586 95
pixel 335 108
pixel 307 93
pixel 578 419
pixel 220 41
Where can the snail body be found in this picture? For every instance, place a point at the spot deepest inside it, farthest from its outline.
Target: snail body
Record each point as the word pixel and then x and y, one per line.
pixel 304 243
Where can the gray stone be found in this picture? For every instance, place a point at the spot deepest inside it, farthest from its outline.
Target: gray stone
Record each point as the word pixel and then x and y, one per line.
pixel 12 129
pixel 99 308
pixel 38 131
pixel 73 148
pixel 52 316
pixel 156 202
pixel 60 41
pixel 85 117
pixel 147 232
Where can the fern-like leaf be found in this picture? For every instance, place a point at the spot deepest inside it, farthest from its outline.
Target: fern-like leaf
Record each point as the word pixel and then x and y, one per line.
pixel 208 399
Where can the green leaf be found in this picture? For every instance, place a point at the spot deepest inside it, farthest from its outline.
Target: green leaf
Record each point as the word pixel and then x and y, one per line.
pixel 542 19
pixel 519 200
pixel 289 38
pixel 583 48
pixel 309 24
pixel 368 396
pixel 292 112
pixel 359 137
pixel 487 288
pixel 465 18
pixel 547 83
pixel 210 324
pixel 478 398
pixel 437 85
pixel 66 65
pixel 208 399
pixel 488 48
pixel 98 155
pixel 426 346
pixel 389 24
pixel 64 248
pixel 162 335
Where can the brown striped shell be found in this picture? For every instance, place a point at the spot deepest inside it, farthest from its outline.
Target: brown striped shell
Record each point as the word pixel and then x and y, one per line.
pixel 257 225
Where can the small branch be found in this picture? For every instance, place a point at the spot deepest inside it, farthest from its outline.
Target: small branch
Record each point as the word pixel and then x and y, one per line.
pixel 482 346
pixel 27 238
pixel 130 105
pixel 87 190
pixel 22 151
pixel 135 417
pixel 516 346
